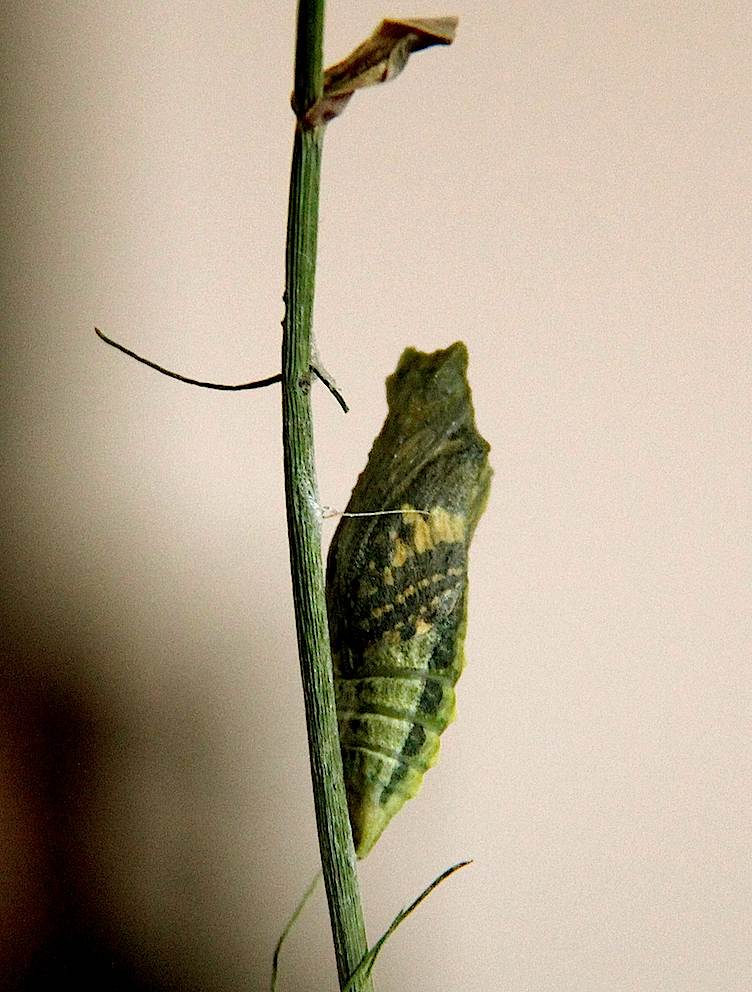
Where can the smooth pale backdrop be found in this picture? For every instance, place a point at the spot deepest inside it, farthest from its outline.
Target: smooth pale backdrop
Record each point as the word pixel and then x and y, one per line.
pixel 567 190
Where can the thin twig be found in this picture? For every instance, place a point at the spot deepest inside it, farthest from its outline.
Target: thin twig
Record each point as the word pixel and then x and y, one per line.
pixel 329 383
pixel 258 384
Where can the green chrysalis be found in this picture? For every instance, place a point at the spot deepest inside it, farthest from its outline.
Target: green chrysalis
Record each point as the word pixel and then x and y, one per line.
pixel 397 586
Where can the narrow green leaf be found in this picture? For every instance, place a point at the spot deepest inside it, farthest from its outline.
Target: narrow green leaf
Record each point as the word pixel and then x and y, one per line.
pixel 369 959
pixel 289 925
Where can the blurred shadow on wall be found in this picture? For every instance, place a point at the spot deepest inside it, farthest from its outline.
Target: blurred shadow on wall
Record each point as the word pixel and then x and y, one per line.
pixel 67 910
pixel 55 926
pixel 50 747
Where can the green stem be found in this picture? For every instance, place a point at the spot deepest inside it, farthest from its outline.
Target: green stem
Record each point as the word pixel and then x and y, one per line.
pixel 303 520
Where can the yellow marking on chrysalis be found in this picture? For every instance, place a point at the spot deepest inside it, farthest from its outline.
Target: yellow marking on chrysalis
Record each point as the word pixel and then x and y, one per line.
pixel 379 611
pixel 422 537
pixel 437 577
pixel 372 565
pixel 440 526
pixel 401 553
pixel 422 626
pixel 406 593
pixel 388 577
pixel 455 571
pixel 446 526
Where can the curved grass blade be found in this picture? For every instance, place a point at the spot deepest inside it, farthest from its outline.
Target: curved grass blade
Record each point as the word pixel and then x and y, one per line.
pixel 365 967
pixel 289 925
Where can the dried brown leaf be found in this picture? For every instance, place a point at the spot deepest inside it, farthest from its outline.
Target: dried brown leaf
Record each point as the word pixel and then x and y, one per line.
pixel 381 57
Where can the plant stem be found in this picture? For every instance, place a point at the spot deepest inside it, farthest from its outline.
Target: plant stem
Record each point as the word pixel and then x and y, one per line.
pixel 335 838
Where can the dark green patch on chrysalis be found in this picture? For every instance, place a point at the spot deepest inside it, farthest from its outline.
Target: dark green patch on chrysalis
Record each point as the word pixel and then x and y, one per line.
pixel 397 585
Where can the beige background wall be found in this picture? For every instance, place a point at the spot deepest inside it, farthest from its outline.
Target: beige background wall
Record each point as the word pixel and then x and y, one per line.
pixel 566 189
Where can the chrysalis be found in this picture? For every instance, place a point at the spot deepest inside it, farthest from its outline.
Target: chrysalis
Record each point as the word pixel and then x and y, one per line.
pixel 397 586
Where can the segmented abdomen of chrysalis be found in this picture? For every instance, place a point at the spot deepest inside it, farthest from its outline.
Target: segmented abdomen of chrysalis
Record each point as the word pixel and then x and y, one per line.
pixel 397 586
